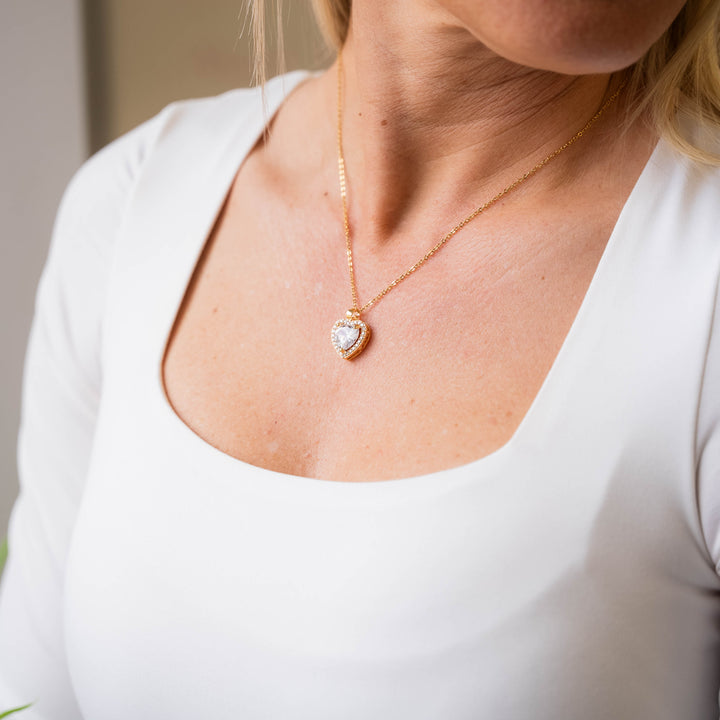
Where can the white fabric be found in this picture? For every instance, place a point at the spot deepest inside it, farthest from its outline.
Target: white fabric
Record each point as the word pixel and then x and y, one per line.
pixel 570 574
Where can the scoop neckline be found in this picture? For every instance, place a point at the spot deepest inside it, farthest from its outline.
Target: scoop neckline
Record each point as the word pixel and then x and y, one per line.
pixel 238 148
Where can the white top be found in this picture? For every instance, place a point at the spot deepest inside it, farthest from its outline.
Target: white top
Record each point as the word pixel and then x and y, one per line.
pixel 570 574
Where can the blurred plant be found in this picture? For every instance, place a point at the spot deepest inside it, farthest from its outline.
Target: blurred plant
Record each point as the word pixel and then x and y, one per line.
pixel 14 710
pixel 3 558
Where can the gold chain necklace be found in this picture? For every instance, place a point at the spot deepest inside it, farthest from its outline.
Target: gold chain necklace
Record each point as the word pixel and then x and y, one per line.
pixel 350 335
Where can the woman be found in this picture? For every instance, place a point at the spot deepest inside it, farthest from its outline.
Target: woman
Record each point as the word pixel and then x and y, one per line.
pixel 489 490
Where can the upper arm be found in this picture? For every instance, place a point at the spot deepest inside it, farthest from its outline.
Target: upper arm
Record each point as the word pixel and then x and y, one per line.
pixel 708 441
pixel 61 388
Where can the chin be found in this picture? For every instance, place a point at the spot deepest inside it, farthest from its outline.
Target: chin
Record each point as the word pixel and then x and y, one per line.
pixel 573 37
pixel 569 60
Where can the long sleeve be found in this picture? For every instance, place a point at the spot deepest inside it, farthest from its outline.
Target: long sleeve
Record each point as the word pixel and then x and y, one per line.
pixel 708 436
pixel 61 389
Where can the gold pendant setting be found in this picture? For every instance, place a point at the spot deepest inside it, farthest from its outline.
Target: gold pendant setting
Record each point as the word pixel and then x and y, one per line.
pixel 350 335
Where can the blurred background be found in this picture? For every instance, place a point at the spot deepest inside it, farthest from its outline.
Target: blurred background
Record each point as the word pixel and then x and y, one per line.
pixel 74 75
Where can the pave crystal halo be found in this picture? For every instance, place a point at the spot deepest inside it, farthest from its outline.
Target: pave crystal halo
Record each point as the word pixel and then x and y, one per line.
pixel 350 335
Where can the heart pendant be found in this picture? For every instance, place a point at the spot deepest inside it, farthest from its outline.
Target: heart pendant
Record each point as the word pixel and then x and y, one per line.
pixel 349 336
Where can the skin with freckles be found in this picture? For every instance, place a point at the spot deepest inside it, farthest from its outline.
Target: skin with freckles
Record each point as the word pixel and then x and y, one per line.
pixel 446 102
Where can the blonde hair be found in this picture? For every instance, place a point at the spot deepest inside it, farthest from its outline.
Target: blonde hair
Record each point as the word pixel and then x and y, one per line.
pixel 679 75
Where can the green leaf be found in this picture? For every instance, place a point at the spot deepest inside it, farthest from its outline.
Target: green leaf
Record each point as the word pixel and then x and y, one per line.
pixel 3 558
pixel 14 710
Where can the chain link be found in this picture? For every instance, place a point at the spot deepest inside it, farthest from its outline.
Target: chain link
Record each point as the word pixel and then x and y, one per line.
pixel 356 310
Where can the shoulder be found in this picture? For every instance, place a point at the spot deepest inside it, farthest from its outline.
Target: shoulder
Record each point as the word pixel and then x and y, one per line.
pixel 158 171
pixel 693 186
pixel 677 212
pixel 95 196
pixel 99 190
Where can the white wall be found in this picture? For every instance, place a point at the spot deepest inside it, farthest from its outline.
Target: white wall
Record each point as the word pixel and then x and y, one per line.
pixel 147 53
pixel 42 141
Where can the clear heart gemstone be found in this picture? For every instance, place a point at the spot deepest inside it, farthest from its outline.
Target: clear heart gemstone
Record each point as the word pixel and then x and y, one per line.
pixel 346 336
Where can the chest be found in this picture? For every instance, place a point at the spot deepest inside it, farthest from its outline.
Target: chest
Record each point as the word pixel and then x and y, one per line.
pixel 458 352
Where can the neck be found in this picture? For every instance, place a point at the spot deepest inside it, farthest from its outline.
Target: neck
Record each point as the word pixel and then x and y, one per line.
pixel 433 119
